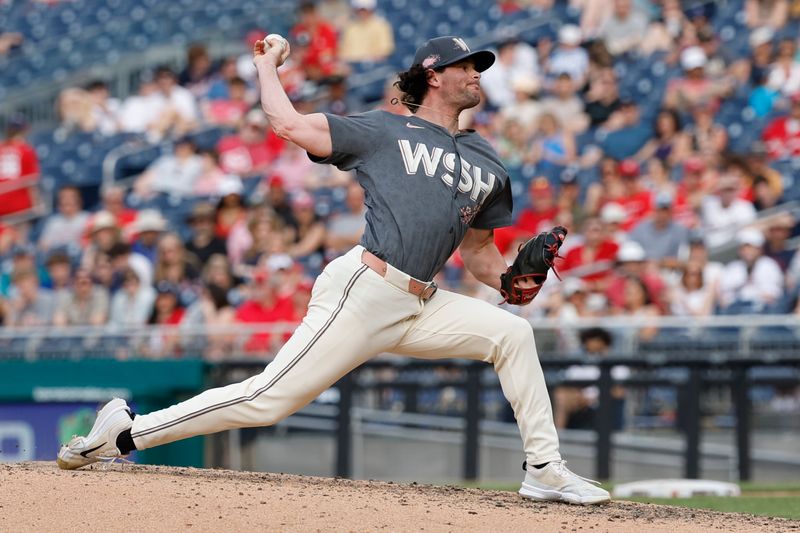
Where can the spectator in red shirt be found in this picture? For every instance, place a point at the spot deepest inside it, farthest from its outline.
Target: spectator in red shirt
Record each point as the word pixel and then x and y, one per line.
pixel 319 41
pixel 596 254
pixel 19 170
pixel 264 307
pixel 636 200
pixel 782 135
pixel 250 151
pixel 113 201
pixel 539 216
pixel 230 111
pixel 543 209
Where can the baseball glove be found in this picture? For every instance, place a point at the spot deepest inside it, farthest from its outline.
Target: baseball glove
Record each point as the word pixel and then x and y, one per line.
pixel 534 260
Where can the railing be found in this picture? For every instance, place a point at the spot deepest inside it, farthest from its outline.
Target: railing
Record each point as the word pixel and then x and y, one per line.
pixel 712 336
pixel 472 381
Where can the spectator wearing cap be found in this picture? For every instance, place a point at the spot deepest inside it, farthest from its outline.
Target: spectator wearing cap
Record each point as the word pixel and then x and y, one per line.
pixel 659 235
pixel 576 407
pixel 690 192
pixel 19 170
pixel 103 234
pixel 339 100
pixel 30 305
pixel 565 104
pixel 593 259
pixel 264 306
pixel 692 296
pixel 757 66
pixel 308 241
pixel 85 304
pixel 132 304
pixel 203 242
pixel 569 198
pixel 772 14
pixel 695 88
pixel 68 225
pixel 123 257
pixel 277 199
pixel 753 282
pixel 624 29
pixel 631 262
pixel 174 174
pixel 782 135
pixel 568 57
pixel 319 40
pixel 776 245
pixel 725 213
pixel 147 230
pixel 252 149
pixel 344 229
pixel 669 144
pixel 367 36
pixel 230 209
pixel 635 199
pixel 228 112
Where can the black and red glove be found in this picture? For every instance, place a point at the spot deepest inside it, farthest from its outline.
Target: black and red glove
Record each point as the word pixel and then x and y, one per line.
pixel 534 260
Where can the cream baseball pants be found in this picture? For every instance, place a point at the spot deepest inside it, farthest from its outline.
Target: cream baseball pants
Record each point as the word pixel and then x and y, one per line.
pixel 355 314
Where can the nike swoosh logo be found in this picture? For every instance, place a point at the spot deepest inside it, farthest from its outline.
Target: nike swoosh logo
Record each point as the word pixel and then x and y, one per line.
pixel 85 453
pixel 410 125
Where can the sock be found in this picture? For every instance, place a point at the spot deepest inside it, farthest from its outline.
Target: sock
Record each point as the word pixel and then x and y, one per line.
pixel 125 443
pixel 525 465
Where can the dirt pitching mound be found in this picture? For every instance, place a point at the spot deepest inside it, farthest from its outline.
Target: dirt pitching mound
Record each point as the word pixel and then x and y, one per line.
pixel 40 497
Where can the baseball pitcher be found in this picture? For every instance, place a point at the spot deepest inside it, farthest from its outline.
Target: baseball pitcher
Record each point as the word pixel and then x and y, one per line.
pixel 430 188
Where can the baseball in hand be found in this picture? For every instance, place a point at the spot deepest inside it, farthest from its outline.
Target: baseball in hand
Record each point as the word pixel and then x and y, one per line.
pixel 273 39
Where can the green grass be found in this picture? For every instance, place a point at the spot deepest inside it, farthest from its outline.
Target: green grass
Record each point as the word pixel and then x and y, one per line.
pixel 759 499
pixel 780 506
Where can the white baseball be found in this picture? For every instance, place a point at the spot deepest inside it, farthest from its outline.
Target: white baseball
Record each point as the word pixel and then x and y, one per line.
pixel 273 39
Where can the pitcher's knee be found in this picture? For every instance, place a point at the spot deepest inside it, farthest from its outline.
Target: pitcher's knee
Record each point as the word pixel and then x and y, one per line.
pixel 518 332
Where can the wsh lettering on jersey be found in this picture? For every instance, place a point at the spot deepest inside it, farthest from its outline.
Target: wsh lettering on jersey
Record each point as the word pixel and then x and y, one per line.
pixel 472 179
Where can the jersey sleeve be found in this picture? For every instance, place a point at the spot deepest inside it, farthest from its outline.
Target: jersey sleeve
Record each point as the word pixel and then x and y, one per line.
pixel 353 139
pixel 496 211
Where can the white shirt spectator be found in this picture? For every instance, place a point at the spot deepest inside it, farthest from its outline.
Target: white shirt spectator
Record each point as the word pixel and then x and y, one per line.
pixel 721 223
pixel 761 286
pixel 787 82
pixel 515 61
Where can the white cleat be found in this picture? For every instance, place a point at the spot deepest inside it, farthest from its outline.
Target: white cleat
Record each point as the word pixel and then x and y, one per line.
pixel 555 482
pixel 101 442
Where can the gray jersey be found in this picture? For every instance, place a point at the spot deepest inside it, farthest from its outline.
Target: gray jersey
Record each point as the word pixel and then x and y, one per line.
pixel 417 214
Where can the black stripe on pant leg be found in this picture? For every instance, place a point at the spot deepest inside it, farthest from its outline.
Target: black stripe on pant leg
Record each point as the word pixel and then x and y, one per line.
pixel 274 380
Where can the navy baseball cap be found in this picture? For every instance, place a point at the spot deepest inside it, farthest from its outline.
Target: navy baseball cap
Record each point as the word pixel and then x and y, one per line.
pixel 442 51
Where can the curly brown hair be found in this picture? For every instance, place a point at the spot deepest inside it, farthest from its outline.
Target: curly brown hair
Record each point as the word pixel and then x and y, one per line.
pixel 413 83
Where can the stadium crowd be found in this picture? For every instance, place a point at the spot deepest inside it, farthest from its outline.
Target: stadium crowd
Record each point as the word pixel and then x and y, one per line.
pixel 650 190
